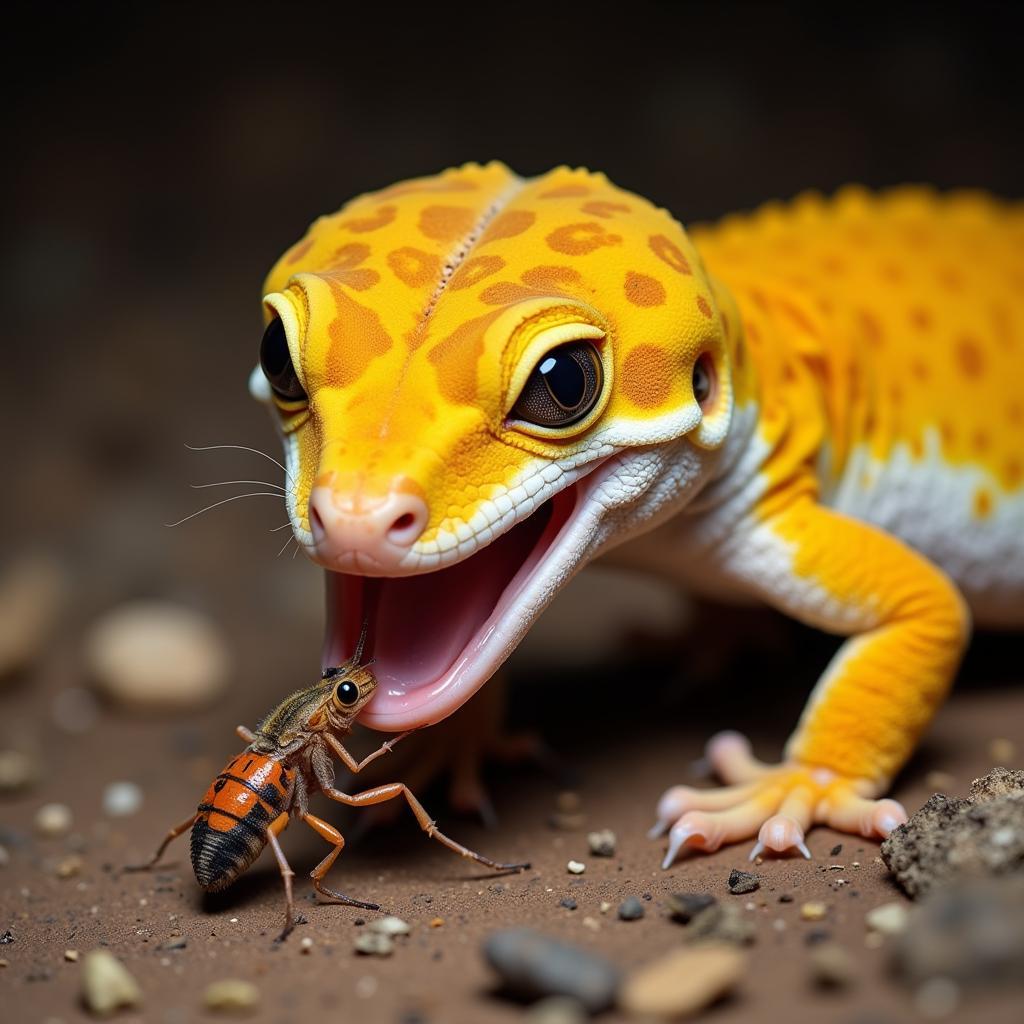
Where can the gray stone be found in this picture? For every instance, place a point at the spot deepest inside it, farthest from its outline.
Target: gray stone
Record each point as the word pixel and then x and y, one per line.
pixel 631 909
pixel 532 966
pixel 742 882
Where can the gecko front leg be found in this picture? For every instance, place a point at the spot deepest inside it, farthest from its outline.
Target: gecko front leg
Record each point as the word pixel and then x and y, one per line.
pixel 907 626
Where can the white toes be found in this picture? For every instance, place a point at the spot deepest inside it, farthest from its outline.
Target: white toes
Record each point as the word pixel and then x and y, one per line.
pixel 887 815
pixel 781 833
pixel 757 850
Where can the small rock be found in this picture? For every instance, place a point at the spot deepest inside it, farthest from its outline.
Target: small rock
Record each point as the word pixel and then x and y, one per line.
pixel 836 850
pixel 374 944
pixel 568 814
pixel 743 881
pixel 121 799
pixel 684 906
pixel 831 966
pixel 178 942
pixel 231 995
pixel 157 655
pixel 971 932
pixel 888 919
pixel 817 936
pixel 70 866
pixel 306 945
pixel 18 770
pixel 568 903
pixel 813 911
pixel 631 909
pixel 786 898
pixel 682 982
pixel 436 922
pixel 1002 751
pixel 32 593
pixel 106 984
pixel 602 844
pixel 532 965
pixel 53 820
pixel 390 926
pixel 575 867
pixel 556 1010
pixel 723 922
pixel 71 955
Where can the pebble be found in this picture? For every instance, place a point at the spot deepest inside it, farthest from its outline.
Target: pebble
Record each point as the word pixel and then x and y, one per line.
pixel 121 799
pixel 155 654
pixel 1002 751
pixel 631 909
pixel 306 945
pixel 568 903
pixel 684 906
pixel 557 1010
pixel 374 944
pixel 575 867
pixel 107 985
pixel 18 770
pixel 231 995
pixel 70 866
pixel 532 966
pixel 603 843
pixel 743 881
pixel 568 814
pixel 813 911
pixel 71 955
pixel 831 966
pixel 888 919
pixel 53 820
pixel 721 922
pixel 437 922
pixel 31 595
pixel 390 926
pixel 682 982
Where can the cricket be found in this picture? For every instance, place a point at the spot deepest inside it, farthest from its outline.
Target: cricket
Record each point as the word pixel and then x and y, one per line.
pixel 288 759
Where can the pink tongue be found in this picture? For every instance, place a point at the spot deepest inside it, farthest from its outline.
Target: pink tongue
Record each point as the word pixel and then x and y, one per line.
pixel 424 623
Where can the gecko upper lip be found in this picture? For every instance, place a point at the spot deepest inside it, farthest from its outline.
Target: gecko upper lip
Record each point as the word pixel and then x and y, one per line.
pixel 438 636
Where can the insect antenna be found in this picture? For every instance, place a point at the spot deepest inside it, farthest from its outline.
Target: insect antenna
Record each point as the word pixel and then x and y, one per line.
pixel 362 641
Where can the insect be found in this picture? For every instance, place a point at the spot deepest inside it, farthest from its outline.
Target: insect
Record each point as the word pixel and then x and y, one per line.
pixel 288 759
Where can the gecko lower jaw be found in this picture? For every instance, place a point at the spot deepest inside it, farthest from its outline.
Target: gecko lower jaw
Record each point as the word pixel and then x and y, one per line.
pixel 436 637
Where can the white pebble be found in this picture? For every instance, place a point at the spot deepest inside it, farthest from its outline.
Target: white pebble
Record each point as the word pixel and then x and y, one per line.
pixel 374 944
pixel 53 820
pixel 121 799
pixel 154 654
pixel 391 926
pixel 888 919
pixel 18 770
pixel 107 985
pixel 306 945
pixel 575 867
pixel 231 996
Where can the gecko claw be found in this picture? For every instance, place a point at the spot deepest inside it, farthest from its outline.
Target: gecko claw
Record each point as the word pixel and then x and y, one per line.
pixel 657 830
pixel 756 851
pixel 677 839
pixel 802 847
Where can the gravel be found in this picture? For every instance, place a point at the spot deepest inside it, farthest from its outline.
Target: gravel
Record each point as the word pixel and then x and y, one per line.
pixel 532 966
pixel 603 843
pixel 121 799
pixel 390 926
pixel 370 943
pixel 231 995
pixel 684 906
pixel 888 919
pixel 832 966
pixel 53 820
pixel 631 909
pixel 741 882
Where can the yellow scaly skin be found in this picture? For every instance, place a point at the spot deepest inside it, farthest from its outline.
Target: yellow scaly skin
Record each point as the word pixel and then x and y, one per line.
pixel 862 449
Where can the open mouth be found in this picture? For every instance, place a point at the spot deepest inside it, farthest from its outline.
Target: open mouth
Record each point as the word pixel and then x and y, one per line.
pixel 436 637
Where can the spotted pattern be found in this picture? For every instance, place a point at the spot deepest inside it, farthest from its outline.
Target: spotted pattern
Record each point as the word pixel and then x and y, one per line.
pixel 383 216
pixel 473 271
pixel 644 290
pixel 508 225
pixel 446 223
pixel 580 239
pixel 647 376
pixel 414 267
pixel 668 252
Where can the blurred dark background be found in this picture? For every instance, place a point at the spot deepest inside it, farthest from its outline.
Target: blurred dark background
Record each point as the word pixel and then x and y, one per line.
pixel 160 158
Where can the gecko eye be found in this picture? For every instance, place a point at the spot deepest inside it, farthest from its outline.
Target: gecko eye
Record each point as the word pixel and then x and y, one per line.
pixel 346 694
pixel 276 361
pixel 704 381
pixel 563 387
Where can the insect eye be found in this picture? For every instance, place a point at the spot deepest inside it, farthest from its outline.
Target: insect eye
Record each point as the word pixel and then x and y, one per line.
pixel 704 381
pixel 562 388
pixel 347 693
pixel 276 361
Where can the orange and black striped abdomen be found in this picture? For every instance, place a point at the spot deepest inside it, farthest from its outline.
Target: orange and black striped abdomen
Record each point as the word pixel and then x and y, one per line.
pixel 231 829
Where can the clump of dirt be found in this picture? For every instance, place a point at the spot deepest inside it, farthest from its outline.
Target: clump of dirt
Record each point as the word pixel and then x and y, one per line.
pixel 951 840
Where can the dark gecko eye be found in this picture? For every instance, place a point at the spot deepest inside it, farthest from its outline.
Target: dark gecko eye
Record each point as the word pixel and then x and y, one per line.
pixel 704 380
pixel 276 361
pixel 563 387
pixel 347 693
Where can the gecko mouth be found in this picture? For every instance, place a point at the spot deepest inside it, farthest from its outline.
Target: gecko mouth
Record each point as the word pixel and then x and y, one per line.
pixel 436 637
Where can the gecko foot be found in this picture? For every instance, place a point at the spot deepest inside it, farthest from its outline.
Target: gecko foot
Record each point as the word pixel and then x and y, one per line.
pixel 776 803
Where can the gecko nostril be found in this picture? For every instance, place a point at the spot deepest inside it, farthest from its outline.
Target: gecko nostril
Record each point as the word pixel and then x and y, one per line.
pixel 403 522
pixel 316 524
pixel 406 528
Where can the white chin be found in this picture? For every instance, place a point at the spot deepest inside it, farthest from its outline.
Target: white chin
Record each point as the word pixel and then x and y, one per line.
pixel 437 637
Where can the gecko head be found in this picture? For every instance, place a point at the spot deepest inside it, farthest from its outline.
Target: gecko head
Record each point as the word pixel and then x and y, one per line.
pixel 481 383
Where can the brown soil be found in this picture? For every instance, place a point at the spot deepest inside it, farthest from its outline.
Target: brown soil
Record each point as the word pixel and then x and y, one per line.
pixel 437 974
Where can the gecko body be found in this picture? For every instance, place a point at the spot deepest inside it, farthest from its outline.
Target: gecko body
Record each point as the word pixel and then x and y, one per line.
pixel 484 382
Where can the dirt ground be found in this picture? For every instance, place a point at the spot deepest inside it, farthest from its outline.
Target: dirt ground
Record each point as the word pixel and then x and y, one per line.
pixel 437 974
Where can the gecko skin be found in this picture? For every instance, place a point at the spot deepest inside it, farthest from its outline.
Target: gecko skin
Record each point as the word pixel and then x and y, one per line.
pixel 483 382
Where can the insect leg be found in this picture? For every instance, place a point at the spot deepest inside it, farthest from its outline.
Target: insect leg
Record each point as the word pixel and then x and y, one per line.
pixel 274 829
pixel 351 763
pixel 332 835
pixel 379 794
pixel 168 839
